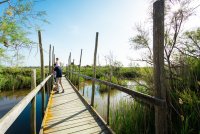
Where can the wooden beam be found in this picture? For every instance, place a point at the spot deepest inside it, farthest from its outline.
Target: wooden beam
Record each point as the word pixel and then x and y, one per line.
pixel 94 69
pixel 158 60
pixel 33 103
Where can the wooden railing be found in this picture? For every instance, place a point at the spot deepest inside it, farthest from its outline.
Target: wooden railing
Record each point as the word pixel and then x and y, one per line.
pixel 136 95
pixel 7 120
pixel 147 99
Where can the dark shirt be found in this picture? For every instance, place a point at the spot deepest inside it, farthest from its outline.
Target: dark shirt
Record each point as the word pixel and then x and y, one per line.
pixel 58 71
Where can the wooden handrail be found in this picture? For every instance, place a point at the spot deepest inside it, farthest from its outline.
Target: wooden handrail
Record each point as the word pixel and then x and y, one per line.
pixel 136 95
pixel 7 120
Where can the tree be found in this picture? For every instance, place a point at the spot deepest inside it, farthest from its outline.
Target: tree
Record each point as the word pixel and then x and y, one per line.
pixel 177 13
pixel 16 22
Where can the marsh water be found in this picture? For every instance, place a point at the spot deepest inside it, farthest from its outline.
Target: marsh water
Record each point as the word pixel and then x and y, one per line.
pixel 22 124
pixel 100 99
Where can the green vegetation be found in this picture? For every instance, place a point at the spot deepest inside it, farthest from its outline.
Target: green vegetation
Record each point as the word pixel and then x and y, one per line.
pixel 119 73
pixel 132 117
pixel 103 72
pixel 17 78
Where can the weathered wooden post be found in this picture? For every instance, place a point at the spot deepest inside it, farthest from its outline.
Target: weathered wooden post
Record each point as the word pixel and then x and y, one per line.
pixel 84 82
pixel 52 58
pixel 108 106
pixel 94 69
pixel 69 66
pixel 33 103
pixel 50 71
pixel 79 70
pixel 73 72
pixel 42 71
pixel 158 59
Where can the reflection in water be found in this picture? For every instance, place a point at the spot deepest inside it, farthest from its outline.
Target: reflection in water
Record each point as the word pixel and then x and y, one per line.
pixel 100 100
pixel 9 99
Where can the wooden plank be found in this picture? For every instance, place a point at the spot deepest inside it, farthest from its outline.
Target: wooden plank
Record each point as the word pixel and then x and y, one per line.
pixel 7 120
pixel 68 114
pixel 91 109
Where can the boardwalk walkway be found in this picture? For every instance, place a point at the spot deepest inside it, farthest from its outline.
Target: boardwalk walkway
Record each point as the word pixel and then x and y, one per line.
pixel 67 114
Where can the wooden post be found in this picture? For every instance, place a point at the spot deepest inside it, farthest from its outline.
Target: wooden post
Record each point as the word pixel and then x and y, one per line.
pixel 84 82
pixel 52 58
pixel 69 66
pixel 158 59
pixel 33 103
pixel 94 69
pixel 42 71
pixel 108 106
pixel 50 71
pixel 79 70
pixel 73 72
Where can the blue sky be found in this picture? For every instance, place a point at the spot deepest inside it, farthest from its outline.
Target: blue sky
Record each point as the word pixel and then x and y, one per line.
pixel 73 24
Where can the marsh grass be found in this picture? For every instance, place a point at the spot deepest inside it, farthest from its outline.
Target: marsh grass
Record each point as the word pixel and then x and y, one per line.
pixel 131 117
pixel 17 78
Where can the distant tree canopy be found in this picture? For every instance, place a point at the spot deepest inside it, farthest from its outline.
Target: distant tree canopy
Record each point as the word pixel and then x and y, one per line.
pixel 16 20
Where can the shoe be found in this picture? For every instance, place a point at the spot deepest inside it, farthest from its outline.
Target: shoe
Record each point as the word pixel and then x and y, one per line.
pixel 63 91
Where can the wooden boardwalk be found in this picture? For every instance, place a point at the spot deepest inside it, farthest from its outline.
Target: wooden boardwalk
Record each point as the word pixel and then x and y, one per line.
pixel 67 113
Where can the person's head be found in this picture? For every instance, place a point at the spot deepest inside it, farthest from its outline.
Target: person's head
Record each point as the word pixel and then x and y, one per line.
pixel 57 59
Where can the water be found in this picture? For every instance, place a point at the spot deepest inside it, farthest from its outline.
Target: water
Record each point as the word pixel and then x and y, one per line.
pixel 22 124
pixel 100 100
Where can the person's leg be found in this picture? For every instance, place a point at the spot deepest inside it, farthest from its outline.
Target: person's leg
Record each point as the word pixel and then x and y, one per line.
pixel 61 84
pixel 57 80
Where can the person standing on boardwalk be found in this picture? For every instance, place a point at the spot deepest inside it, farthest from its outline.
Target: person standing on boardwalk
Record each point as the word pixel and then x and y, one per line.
pixel 58 71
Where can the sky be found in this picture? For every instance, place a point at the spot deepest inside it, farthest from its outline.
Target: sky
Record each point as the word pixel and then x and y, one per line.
pixel 74 23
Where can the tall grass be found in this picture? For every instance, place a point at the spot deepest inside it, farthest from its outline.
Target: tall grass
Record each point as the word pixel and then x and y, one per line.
pixel 131 117
pixel 17 78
